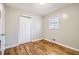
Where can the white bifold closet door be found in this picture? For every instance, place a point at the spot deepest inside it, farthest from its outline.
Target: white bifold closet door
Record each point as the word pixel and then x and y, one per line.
pixel 24 30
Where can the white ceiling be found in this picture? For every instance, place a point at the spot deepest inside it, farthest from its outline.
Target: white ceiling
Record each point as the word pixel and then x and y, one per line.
pixel 42 9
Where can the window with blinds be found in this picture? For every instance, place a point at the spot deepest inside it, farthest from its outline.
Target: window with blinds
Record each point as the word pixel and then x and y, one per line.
pixel 54 23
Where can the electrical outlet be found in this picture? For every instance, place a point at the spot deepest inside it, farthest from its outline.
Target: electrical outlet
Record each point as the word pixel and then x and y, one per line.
pixel 54 39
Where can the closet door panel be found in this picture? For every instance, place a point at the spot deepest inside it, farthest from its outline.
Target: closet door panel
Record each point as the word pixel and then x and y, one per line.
pixel 24 30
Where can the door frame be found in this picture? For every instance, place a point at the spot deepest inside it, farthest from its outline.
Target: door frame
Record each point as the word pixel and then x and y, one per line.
pixel 3 35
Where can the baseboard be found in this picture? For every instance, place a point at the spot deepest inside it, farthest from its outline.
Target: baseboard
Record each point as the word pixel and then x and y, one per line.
pixel 63 45
pixel 11 46
pixel 19 44
pixel 58 44
pixel 50 41
pixel 36 40
pixel 14 45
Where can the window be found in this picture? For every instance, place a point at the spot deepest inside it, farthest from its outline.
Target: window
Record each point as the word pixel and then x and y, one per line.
pixel 54 23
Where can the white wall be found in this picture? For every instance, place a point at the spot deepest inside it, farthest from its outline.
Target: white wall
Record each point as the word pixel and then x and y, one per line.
pixel 68 34
pixel 12 22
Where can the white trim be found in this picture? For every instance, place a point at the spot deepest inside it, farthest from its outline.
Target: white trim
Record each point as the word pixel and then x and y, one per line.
pixel 57 43
pixel 15 45
pixel 19 44
pixel 11 46
pixel 63 45
pixel 50 41
pixel 36 40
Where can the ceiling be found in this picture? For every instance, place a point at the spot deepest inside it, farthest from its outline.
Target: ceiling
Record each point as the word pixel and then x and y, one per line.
pixel 41 9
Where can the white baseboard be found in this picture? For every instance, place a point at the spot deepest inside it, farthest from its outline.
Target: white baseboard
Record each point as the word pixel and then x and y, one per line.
pixel 36 40
pixel 63 45
pixel 58 44
pixel 14 45
pixel 50 41
pixel 11 46
pixel 19 44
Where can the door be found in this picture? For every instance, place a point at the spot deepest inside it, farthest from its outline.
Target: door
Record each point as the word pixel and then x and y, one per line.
pixel 24 29
pixel 2 28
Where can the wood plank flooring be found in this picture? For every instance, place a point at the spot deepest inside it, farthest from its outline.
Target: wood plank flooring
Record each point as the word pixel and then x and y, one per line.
pixel 0 52
pixel 41 47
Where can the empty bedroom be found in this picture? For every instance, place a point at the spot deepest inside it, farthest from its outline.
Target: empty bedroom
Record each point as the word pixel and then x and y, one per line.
pixel 39 29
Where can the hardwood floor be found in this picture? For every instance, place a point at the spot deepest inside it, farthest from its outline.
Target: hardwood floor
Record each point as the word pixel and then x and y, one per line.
pixel 41 47
pixel 0 52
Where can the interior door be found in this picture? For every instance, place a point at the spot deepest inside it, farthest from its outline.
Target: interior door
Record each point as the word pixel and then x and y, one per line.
pixel 2 28
pixel 24 30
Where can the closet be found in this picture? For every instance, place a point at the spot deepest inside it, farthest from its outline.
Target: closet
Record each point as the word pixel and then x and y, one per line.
pixel 24 29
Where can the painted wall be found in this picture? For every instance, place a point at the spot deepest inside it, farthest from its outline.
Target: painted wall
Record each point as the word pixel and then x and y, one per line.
pixel 68 34
pixel 12 23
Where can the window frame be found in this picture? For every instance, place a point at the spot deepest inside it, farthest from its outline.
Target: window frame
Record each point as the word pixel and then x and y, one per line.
pixel 54 22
